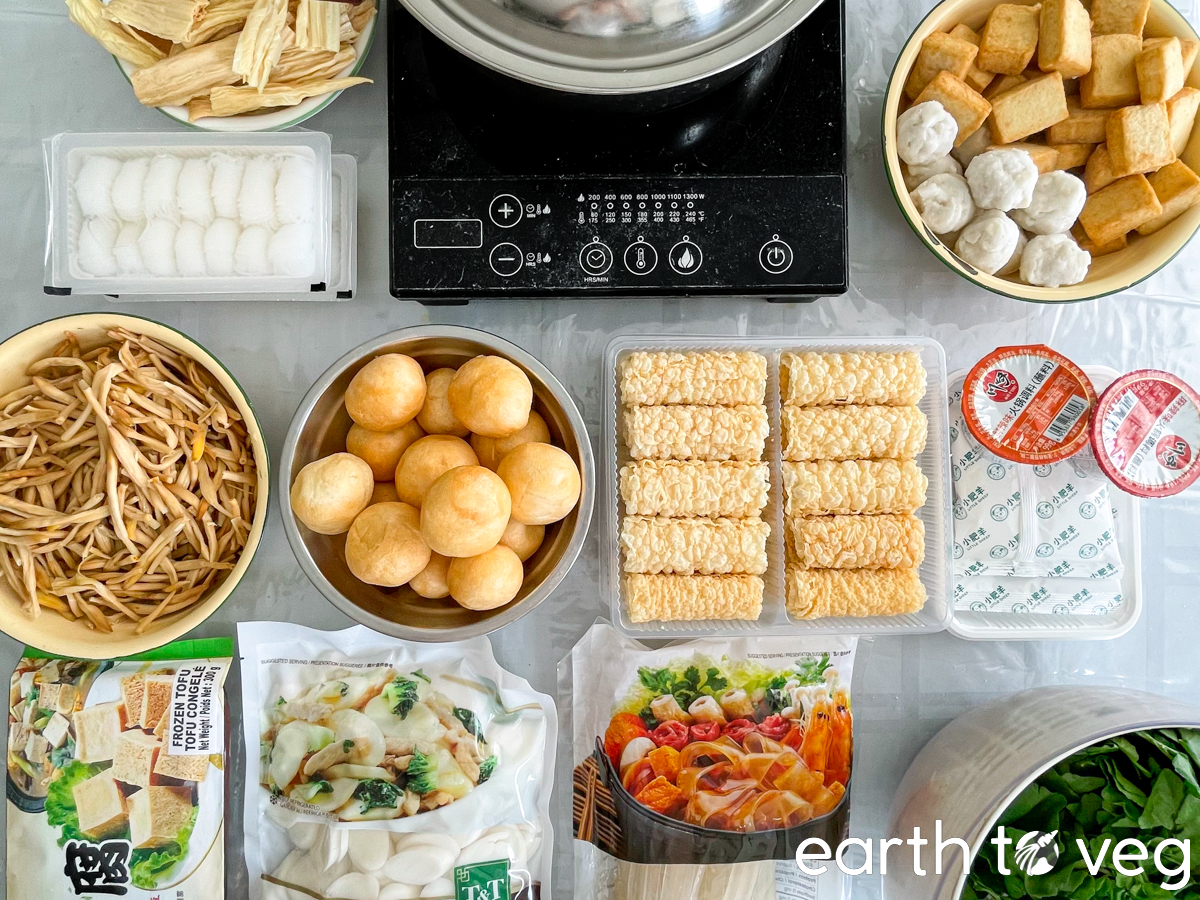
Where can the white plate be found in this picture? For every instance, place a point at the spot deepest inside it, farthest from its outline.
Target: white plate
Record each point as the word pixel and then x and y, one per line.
pixel 975 626
pixel 273 120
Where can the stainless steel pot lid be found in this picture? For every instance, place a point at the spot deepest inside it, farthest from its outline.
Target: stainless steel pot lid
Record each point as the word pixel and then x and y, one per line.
pixel 610 46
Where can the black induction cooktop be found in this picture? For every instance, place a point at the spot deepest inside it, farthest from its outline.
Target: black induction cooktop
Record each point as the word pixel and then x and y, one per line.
pixel 500 190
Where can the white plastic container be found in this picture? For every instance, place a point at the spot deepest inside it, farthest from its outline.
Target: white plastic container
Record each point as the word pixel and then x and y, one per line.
pixel 975 626
pixel 66 155
pixel 775 620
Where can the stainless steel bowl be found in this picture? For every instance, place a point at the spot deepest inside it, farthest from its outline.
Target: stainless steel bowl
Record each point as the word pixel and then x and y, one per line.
pixel 319 428
pixel 611 47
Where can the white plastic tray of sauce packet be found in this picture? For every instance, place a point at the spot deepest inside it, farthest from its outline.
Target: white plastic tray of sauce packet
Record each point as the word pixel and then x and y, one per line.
pixel 65 156
pixel 976 626
pixel 775 620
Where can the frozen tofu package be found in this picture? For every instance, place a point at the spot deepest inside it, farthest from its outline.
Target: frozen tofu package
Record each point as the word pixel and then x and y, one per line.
pixel 116 775
pixel 700 768
pixel 378 769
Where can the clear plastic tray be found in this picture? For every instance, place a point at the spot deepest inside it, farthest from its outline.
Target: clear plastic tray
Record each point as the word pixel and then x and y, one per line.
pixel 936 514
pixel 65 154
pixel 976 626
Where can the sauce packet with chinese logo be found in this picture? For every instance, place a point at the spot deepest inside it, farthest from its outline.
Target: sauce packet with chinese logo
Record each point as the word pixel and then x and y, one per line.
pixel 116 775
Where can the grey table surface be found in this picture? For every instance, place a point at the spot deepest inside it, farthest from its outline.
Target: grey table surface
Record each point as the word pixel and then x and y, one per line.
pixel 53 78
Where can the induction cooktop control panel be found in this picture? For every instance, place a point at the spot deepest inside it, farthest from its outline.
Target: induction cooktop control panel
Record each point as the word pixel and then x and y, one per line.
pixel 781 237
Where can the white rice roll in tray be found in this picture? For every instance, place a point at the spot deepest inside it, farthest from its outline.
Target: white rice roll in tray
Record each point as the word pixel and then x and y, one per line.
pixel 94 184
pixel 918 175
pixel 295 192
pixel 1054 260
pixel 220 245
pixel 195 192
pixel 256 201
pixel 1002 179
pixel 157 244
pixel 189 250
pixel 94 254
pixel 159 194
pixel 944 202
pixel 925 133
pixel 127 249
pixel 291 250
pixel 988 242
pixel 250 257
pixel 227 172
pixel 128 187
pixel 1013 266
pixel 1058 199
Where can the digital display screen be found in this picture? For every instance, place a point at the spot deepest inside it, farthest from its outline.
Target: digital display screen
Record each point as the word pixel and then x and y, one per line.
pixel 447 234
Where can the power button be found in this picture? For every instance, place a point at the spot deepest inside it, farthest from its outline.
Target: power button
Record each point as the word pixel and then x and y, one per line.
pixel 775 256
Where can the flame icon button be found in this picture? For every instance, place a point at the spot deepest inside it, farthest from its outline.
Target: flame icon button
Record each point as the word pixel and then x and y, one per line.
pixel 685 257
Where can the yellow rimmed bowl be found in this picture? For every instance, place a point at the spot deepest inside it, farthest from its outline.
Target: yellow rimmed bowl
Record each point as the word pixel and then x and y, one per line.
pixel 1109 274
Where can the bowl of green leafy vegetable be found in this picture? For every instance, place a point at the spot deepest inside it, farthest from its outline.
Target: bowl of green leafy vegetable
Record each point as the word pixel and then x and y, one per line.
pixel 1078 793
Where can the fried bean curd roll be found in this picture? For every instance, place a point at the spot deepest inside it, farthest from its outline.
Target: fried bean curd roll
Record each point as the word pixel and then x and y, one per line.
pixel 656 545
pixel 866 486
pixel 853 432
pixel 709 378
pixel 696 432
pixel 695 488
pixel 868 379
pixel 857 542
pixel 823 593
pixel 691 598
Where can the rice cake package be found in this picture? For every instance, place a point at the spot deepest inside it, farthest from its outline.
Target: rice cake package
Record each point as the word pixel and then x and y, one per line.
pixel 116 775
pixel 386 770
pixel 701 767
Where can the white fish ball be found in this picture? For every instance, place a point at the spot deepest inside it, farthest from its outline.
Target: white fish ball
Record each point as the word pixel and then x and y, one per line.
pixel 227 172
pixel 195 192
pixel 157 244
pixel 250 257
pixel 397 891
pixel 1058 199
pixel 944 202
pixel 924 133
pixel 918 175
pixel 128 188
pixel 1054 260
pixel 256 201
pixel 443 887
pixel 97 238
pixel 189 250
pixel 291 250
pixel 369 850
pixel 159 193
pixel 988 242
pixel 295 191
pixel 127 250
pixel 354 886
pixel 1002 179
pixel 1014 262
pixel 94 184
pixel 419 864
pixel 220 245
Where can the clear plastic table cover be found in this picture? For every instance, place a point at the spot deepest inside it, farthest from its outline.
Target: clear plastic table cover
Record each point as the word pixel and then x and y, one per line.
pixel 57 79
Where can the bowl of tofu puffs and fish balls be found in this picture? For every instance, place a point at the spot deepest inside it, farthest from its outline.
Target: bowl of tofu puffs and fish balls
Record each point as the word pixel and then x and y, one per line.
pixel 437 483
pixel 1048 151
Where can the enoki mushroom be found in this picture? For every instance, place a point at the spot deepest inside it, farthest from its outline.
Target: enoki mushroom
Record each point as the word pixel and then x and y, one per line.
pixel 127 483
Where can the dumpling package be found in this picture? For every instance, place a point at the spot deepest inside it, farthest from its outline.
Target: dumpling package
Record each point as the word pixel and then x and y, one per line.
pixel 700 768
pixel 116 775
pixel 386 770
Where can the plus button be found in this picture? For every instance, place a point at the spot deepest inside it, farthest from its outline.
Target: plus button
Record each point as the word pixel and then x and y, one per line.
pixel 505 211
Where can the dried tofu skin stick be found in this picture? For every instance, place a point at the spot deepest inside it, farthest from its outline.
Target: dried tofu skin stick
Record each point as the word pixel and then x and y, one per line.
pixel 171 20
pixel 260 43
pixel 233 101
pixel 186 75
pixel 318 25
pixel 220 15
pixel 296 65
pixel 361 15
pixel 121 42
pixel 199 108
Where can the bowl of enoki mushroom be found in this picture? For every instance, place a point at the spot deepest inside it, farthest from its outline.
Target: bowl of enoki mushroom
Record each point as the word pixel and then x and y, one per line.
pixel 133 485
